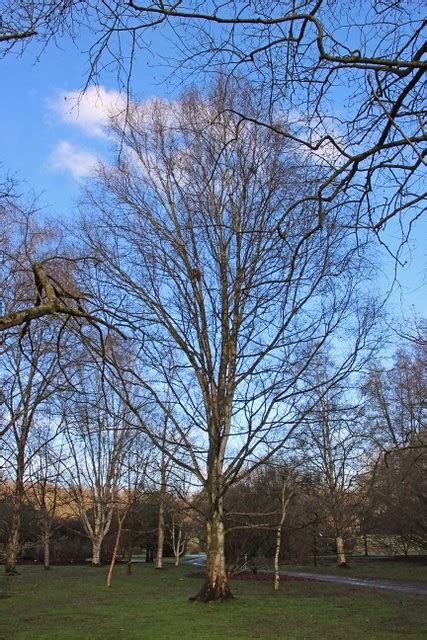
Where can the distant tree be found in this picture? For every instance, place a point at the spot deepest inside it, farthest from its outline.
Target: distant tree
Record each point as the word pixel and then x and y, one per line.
pixel 334 443
pixel 396 425
pixel 30 380
pixel 99 436
pixel 44 490
pixel 397 399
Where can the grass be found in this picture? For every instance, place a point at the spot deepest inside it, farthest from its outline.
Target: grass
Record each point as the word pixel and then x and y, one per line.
pixel 72 603
pixel 404 570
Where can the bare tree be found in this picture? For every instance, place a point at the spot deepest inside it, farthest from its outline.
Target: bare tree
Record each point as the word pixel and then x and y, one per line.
pixel 98 434
pixel 131 490
pixel 44 489
pixel 186 237
pixel 285 497
pixel 30 379
pixel 334 444
pixel 397 399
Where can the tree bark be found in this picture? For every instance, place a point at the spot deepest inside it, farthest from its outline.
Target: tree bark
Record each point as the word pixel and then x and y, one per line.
pixel 216 585
pixel 120 520
pixel 96 551
pixel 284 503
pixel 161 528
pixel 365 543
pixel 341 560
pixel 13 545
pixel 46 551
pixel 177 543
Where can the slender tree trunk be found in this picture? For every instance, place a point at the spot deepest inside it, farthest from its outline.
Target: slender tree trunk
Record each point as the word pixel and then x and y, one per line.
pixel 161 526
pixel 216 585
pixel 284 503
pixel 365 542
pixel 276 558
pixel 341 560
pixel 120 519
pixel 46 551
pixel 178 545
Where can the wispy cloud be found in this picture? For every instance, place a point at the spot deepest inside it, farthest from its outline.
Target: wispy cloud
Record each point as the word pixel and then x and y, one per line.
pixel 90 111
pixel 68 157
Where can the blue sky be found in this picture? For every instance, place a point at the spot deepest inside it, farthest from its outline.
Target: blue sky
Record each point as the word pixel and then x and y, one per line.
pixel 50 143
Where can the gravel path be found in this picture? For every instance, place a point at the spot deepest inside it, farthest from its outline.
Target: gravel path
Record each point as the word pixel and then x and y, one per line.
pixel 372 583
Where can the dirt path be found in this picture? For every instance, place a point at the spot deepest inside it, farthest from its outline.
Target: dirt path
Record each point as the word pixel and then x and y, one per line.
pixel 371 583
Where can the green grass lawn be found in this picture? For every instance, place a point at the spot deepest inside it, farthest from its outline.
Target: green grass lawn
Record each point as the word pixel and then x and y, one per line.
pixel 72 603
pixel 404 570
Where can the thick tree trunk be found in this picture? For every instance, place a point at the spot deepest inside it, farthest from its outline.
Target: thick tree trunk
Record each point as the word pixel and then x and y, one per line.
pixel 341 560
pixel 13 544
pixel 216 585
pixel 96 551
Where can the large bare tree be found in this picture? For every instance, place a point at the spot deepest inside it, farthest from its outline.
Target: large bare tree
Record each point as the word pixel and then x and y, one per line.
pixel 185 230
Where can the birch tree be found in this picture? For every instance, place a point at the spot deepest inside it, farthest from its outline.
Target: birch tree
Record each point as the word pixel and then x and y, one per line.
pixel 98 435
pixel 30 379
pixel 334 445
pixel 186 237
pixel 45 491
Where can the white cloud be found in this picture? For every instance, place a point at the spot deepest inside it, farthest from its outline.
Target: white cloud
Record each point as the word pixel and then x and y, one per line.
pixel 91 110
pixel 68 157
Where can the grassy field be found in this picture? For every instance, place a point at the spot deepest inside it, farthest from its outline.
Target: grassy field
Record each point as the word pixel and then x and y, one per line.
pixel 71 603
pixel 404 570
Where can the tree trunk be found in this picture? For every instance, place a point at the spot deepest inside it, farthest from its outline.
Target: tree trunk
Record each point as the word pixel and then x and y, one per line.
pixel 216 585
pixel 120 520
pixel 342 562
pixel 365 541
pixel 179 548
pixel 13 545
pixel 284 503
pixel 96 551
pixel 46 551
pixel 161 530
